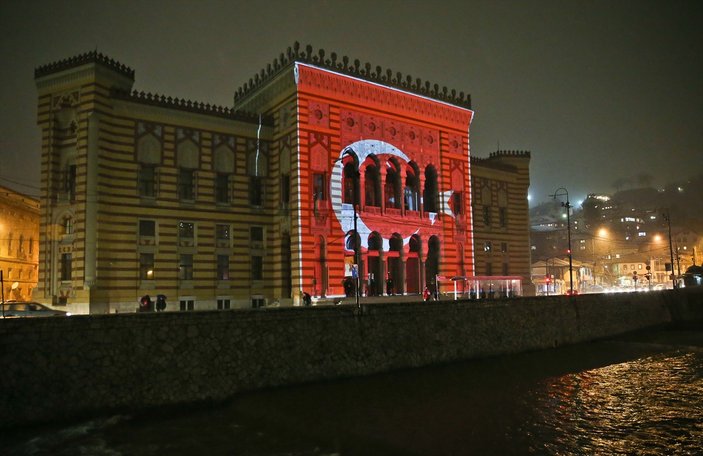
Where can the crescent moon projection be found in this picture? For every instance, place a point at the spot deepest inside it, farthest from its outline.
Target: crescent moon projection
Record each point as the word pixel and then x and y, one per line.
pixel 344 211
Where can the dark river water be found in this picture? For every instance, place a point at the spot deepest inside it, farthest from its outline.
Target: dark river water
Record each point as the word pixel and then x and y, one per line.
pixel 636 394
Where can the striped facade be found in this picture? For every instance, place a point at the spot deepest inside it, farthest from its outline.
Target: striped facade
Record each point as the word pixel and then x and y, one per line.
pixel 501 214
pixel 215 208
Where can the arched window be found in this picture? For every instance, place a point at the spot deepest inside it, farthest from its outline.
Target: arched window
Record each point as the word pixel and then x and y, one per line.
pixel 457 203
pixel 375 241
pixel 392 187
pixel 430 194
pixel 68 225
pixel 432 262
pixel 415 244
pixel 412 189
pixel 372 185
pixel 412 265
pixel 188 160
pixel 352 239
pixel 223 165
pixel 351 183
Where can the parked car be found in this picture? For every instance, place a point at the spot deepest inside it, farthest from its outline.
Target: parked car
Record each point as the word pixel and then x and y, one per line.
pixel 693 277
pixel 29 309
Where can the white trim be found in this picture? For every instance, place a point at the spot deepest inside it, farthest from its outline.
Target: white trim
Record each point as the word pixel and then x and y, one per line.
pixel 471 195
pixel 300 196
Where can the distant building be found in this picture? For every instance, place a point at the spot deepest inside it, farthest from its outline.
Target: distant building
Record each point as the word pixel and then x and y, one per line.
pixel 323 170
pixel 19 239
pixel 501 214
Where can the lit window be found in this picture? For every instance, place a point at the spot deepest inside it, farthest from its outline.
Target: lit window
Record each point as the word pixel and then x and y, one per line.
pixel 146 266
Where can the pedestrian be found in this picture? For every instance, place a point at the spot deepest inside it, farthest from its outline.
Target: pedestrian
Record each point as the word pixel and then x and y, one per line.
pixel 389 285
pixel 426 294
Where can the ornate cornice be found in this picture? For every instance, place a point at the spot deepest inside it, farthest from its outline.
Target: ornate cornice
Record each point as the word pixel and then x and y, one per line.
pixel 510 153
pixel 189 106
pixel 355 69
pixel 494 159
pixel 82 59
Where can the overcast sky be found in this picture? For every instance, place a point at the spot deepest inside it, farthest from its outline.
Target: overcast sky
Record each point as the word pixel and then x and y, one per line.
pixel 596 90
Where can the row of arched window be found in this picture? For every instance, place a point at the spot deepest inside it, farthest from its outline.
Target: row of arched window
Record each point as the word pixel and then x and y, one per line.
pixel 399 189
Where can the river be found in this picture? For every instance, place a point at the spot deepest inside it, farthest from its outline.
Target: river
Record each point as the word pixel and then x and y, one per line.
pixel 636 394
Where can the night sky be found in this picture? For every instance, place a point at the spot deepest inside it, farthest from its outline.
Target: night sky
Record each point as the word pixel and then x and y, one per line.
pixel 597 91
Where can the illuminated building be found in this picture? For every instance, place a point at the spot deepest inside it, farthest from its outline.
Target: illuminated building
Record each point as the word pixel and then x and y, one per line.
pixel 19 237
pixel 218 208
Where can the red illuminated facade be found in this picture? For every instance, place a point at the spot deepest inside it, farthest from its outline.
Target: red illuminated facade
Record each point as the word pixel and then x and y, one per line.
pixel 401 160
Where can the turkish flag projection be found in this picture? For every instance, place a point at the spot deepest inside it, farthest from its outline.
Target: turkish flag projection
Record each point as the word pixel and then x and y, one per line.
pixel 392 167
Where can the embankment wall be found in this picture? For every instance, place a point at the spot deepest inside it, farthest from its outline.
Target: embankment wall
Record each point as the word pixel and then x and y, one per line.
pixel 64 368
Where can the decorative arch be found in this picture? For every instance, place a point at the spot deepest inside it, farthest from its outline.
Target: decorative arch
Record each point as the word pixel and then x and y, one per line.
pixel 149 149
pixel 187 155
pixel 223 159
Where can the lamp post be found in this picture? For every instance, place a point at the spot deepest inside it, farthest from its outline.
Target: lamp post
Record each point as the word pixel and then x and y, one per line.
pixel 667 217
pixel 357 238
pixel 564 192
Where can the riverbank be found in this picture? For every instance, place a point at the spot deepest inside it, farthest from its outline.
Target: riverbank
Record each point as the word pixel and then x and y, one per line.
pixel 57 369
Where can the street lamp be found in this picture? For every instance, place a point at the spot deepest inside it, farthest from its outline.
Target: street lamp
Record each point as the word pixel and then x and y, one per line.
pixel 357 238
pixel 667 217
pixel 564 192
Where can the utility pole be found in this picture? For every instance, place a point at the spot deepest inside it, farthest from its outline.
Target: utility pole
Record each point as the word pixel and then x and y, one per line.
pixel 564 192
pixel 667 217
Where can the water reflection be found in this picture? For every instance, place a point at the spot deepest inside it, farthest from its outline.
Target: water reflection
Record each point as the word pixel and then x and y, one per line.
pixel 640 394
pixel 652 405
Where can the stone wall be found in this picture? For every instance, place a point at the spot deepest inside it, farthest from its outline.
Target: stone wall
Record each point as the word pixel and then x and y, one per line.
pixel 64 368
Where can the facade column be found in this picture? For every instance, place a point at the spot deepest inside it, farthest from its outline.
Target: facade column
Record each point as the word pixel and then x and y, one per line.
pixel 382 176
pixel 403 175
pixel 362 187
pixel 383 270
pixel 421 191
